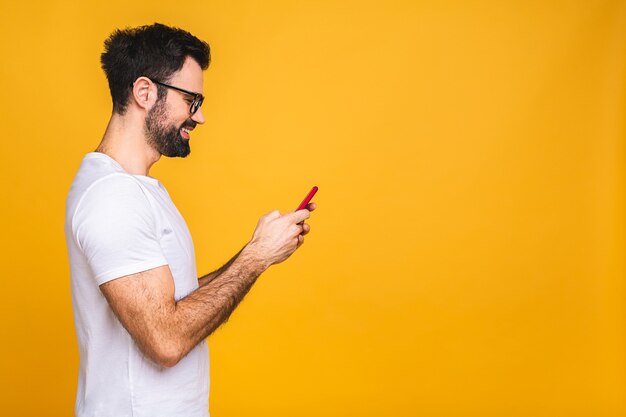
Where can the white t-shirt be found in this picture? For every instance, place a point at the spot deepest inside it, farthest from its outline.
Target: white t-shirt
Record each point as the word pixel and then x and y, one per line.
pixel 118 224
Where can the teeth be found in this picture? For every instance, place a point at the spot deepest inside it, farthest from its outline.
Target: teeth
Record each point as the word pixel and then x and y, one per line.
pixel 186 130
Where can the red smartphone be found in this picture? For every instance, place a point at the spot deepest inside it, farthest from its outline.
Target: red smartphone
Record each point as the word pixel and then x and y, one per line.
pixel 307 199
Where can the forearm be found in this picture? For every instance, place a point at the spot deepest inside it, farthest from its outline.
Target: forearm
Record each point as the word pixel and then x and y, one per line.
pixel 200 313
pixel 173 328
pixel 211 276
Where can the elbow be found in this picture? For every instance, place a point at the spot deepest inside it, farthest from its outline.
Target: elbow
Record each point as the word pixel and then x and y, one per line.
pixel 169 361
pixel 167 354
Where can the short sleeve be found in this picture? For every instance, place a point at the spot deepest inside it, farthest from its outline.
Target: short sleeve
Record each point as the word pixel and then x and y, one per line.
pixel 115 227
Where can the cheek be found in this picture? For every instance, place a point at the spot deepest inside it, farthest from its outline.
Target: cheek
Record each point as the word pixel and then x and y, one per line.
pixel 181 118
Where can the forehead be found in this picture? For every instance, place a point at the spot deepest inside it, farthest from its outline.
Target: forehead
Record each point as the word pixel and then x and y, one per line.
pixel 190 77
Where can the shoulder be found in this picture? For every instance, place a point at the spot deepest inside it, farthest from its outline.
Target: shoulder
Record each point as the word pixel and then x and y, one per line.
pixel 117 198
pixel 114 190
pixel 119 183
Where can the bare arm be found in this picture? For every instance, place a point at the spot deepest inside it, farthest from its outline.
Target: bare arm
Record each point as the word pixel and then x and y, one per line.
pixel 212 275
pixel 165 329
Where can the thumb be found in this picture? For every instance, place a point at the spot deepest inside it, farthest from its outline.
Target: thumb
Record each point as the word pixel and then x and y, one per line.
pixel 298 216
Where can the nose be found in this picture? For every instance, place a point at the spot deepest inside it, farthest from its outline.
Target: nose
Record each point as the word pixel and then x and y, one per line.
pixel 198 117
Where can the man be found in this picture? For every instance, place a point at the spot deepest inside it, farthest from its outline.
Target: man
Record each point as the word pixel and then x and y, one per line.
pixel 141 313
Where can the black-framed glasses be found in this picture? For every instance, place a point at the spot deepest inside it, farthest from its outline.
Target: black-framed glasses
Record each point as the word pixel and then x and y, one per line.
pixel 198 98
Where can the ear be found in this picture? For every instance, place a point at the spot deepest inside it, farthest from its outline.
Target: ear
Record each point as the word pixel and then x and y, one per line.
pixel 144 93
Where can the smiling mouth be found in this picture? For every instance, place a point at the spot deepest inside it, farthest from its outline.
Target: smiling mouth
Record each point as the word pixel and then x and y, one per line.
pixel 185 132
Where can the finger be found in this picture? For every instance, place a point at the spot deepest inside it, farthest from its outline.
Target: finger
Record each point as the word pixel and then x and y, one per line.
pixel 305 228
pixel 293 230
pixel 298 216
pixel 300 240
pixel 311 206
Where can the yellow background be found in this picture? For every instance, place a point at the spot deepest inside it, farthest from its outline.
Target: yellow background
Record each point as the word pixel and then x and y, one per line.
pixel 467 256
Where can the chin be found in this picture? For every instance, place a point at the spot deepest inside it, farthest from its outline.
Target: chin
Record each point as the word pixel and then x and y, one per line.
pixel 182 154
pixel 178 149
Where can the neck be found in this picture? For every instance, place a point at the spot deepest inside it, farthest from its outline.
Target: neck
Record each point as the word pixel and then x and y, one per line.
pixel 125 141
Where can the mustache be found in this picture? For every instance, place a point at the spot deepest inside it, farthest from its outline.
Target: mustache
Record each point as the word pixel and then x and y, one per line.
pixel 189 124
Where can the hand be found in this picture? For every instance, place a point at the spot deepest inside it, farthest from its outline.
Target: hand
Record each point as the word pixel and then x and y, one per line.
pixel 277 236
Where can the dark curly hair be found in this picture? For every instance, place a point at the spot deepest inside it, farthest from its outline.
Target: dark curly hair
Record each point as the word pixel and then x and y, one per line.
pixel 155 51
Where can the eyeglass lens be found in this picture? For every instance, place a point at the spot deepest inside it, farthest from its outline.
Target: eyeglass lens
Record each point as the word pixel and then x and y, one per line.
pixel 195 105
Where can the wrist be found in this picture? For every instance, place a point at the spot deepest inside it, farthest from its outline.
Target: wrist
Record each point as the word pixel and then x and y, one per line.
pixel 254 258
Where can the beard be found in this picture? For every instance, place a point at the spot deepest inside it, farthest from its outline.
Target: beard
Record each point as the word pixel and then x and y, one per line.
pixel 166 139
